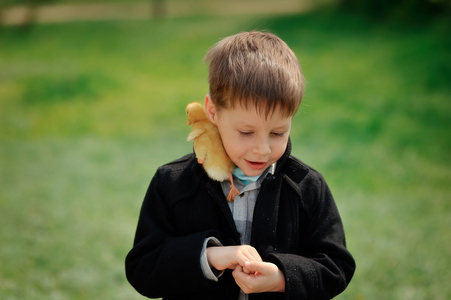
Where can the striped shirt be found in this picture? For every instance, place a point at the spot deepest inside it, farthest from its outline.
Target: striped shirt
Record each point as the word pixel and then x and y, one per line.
pixel 242 209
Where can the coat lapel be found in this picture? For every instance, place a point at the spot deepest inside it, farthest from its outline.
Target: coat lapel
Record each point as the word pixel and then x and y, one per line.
pixel 215 190
pixel 266 213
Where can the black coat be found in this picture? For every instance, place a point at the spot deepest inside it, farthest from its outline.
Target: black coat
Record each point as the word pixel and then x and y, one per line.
pixel 296 225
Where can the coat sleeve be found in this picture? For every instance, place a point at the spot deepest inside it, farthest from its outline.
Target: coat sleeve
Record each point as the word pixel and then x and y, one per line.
pixel 323 267
pixel 162 262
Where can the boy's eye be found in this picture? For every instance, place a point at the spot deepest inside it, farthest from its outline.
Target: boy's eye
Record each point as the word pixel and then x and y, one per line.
pixel 279 134
pixel 245 132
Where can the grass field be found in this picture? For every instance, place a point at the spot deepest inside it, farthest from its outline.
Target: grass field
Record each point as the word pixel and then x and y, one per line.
pixel 89 110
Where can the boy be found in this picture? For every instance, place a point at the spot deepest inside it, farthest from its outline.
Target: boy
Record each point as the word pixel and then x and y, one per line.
pixel 282 237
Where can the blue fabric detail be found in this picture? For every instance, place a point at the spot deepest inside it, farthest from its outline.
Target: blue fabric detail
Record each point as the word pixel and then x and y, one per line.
pixel 243 177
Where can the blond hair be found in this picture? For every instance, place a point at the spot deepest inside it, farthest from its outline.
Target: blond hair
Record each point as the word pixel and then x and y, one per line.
pixel 255 69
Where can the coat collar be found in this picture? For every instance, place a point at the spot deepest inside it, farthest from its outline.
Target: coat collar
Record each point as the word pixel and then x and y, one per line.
pixel 290 167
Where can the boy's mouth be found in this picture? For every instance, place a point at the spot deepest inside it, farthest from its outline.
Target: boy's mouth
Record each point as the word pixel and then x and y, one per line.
pixel 257 165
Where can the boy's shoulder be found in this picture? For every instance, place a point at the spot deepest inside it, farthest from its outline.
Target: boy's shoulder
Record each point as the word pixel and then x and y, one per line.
pixel 179 165
pixel 185 159
pixel 179 178
pixel 299 171
pixel 306 182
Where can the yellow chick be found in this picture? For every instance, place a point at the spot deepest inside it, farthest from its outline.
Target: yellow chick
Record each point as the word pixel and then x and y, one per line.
pixel 208 147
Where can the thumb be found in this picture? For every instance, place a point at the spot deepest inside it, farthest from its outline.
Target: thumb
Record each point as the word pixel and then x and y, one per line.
pixel 256 267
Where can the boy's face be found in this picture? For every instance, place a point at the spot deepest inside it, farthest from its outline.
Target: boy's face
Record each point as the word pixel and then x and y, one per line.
pixel 252 141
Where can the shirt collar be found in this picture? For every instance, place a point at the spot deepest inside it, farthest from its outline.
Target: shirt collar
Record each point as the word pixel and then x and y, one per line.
pixel 248 179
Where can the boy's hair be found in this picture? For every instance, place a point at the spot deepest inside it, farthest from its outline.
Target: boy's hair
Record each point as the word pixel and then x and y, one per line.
pixel 255 69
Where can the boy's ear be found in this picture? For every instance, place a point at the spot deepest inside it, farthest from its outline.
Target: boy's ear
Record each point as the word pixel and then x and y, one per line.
pixel 210 109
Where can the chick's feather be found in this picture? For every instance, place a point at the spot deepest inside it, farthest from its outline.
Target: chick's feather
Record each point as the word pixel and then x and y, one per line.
pixel 208 147
pixel 207 144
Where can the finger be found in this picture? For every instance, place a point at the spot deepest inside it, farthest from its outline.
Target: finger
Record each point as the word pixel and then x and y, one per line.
pixel 239 275
pixel 245 281
pixel 258 267
pixel 252 254
pixel 264 277
pixel 247 255
pixel 256 256
pixel 247 271
pixel 237 270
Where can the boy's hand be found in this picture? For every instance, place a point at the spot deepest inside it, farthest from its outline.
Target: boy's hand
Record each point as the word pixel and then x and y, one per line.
pixel 229 257
pixel 259 277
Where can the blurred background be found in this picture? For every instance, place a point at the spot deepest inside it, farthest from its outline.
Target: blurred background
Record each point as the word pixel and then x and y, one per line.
pixel 92 99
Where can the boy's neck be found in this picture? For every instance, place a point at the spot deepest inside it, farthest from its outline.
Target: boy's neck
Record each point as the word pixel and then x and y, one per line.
pixel 248 179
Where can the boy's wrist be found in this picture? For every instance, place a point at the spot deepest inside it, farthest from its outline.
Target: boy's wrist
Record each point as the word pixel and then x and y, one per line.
pixel 208 271
pixel 281 282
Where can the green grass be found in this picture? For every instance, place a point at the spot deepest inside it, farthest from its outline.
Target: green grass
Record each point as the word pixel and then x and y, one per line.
pixel 89 110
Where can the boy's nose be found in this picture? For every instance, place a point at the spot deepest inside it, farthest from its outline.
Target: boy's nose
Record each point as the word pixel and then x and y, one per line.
pixel 261 148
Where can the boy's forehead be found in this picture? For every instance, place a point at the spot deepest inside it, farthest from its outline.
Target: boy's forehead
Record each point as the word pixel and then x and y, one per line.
pixel 251 115
pixel 260 109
